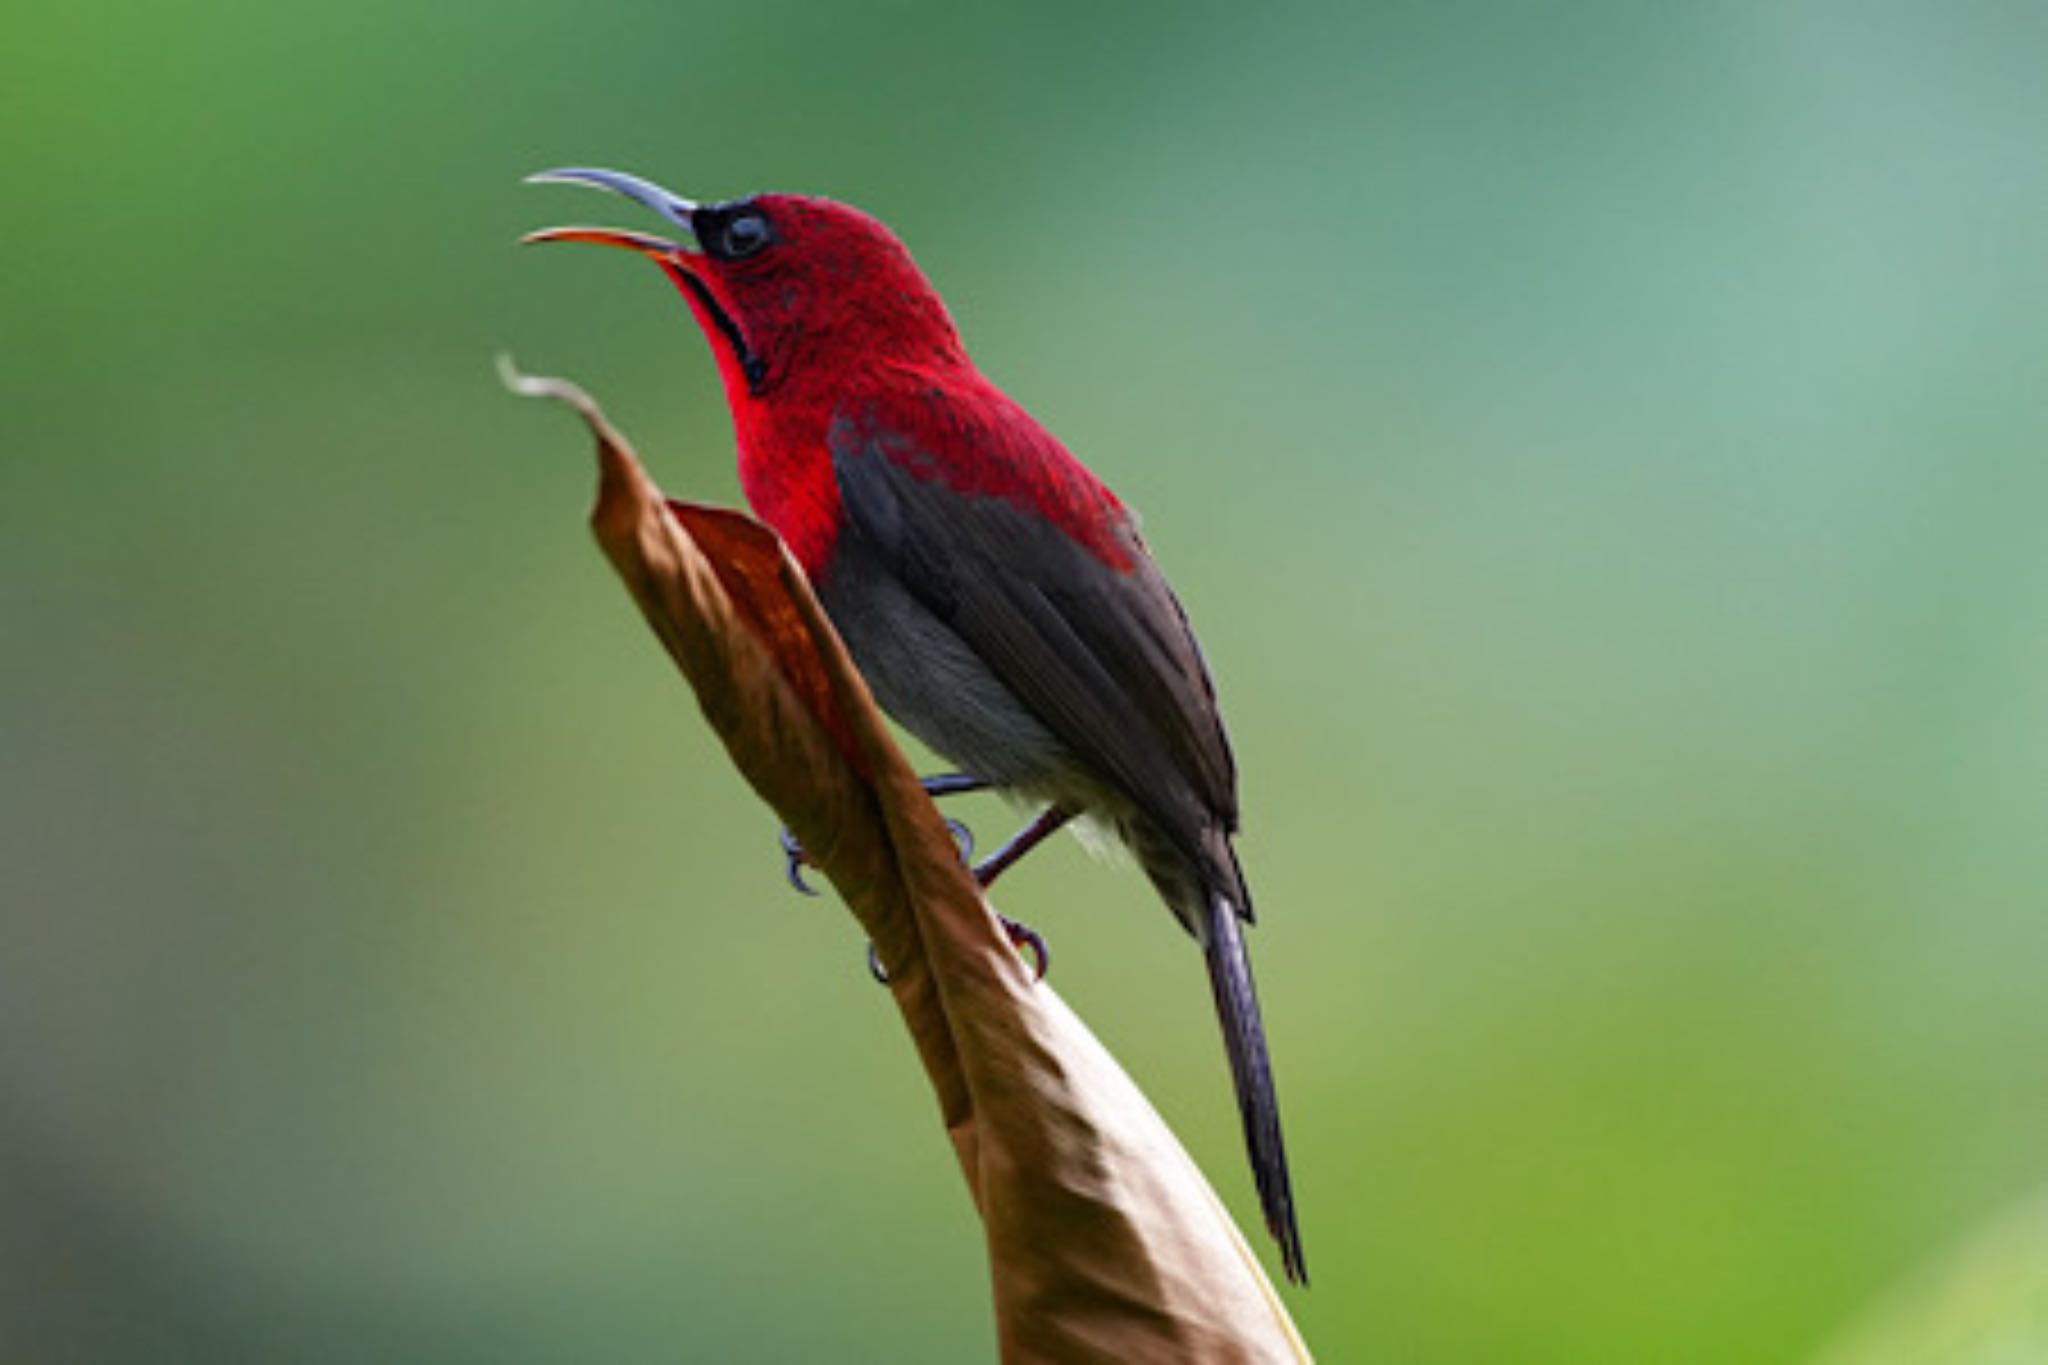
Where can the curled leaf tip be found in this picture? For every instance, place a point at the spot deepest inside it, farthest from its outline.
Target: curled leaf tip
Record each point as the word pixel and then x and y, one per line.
pixel 527 385
pixel 563 391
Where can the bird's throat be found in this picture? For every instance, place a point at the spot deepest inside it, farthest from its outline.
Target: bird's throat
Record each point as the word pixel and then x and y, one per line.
pixel 725 333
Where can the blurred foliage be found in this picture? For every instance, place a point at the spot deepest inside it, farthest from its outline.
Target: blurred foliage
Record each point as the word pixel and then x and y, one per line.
pixel 1601 447
pixel 1984 1304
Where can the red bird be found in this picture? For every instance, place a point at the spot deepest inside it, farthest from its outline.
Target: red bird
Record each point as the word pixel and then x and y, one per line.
pixel 993 592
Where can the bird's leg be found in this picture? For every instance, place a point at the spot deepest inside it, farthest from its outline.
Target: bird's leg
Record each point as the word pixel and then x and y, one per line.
pixel 1028 838
pixel 985 872
pixel 939 784
pixel 952 784
pixel 1021 935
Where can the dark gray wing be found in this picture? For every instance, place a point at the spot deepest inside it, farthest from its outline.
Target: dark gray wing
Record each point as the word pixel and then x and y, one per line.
pixel 1101 655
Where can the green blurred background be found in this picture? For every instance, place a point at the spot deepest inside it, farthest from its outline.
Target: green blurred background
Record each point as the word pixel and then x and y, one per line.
pixel 1601 445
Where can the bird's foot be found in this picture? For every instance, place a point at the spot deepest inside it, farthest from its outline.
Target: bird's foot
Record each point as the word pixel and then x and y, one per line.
pixel 797 860
pixel 1022 937
pixel 940 784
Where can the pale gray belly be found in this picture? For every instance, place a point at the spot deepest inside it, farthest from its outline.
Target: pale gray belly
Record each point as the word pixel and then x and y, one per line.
pixel 927 678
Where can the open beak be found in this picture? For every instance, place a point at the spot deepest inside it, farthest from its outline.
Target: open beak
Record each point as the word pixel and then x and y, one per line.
pixel 673 207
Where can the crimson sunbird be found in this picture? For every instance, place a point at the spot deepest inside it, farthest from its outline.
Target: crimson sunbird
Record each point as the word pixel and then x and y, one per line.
pixel 994 593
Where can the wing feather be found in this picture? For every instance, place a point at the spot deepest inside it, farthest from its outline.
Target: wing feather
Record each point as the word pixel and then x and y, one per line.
pixel 1100 652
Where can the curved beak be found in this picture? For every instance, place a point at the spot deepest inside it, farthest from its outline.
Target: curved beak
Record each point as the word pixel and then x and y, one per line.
pixel 646 193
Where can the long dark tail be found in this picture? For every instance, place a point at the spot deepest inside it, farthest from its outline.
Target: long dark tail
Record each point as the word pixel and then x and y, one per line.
pixel 1244 1035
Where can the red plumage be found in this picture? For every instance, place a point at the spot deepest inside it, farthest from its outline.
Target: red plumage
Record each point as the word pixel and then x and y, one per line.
pixel 844 276
pixel 993 591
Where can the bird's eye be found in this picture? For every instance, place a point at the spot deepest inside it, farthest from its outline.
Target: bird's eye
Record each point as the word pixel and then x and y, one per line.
pixel 744 235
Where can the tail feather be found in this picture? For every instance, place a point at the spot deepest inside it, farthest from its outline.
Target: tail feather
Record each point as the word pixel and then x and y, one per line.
pixel 1244 1036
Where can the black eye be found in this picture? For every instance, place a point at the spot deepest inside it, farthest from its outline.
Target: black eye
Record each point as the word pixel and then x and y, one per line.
pixel 745 234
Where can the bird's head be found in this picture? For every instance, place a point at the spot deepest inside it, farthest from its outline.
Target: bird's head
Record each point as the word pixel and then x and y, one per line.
pixel 790 289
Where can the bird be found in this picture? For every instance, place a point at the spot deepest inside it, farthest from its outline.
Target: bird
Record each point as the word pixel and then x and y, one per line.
pixel 992 590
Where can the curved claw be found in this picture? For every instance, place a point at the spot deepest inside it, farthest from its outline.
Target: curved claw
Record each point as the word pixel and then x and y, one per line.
pixel 1023 936
pixel 964 837
pixel 798 859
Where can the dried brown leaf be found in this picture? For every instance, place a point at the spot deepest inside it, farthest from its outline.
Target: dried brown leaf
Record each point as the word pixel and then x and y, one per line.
pixel 1105 1242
